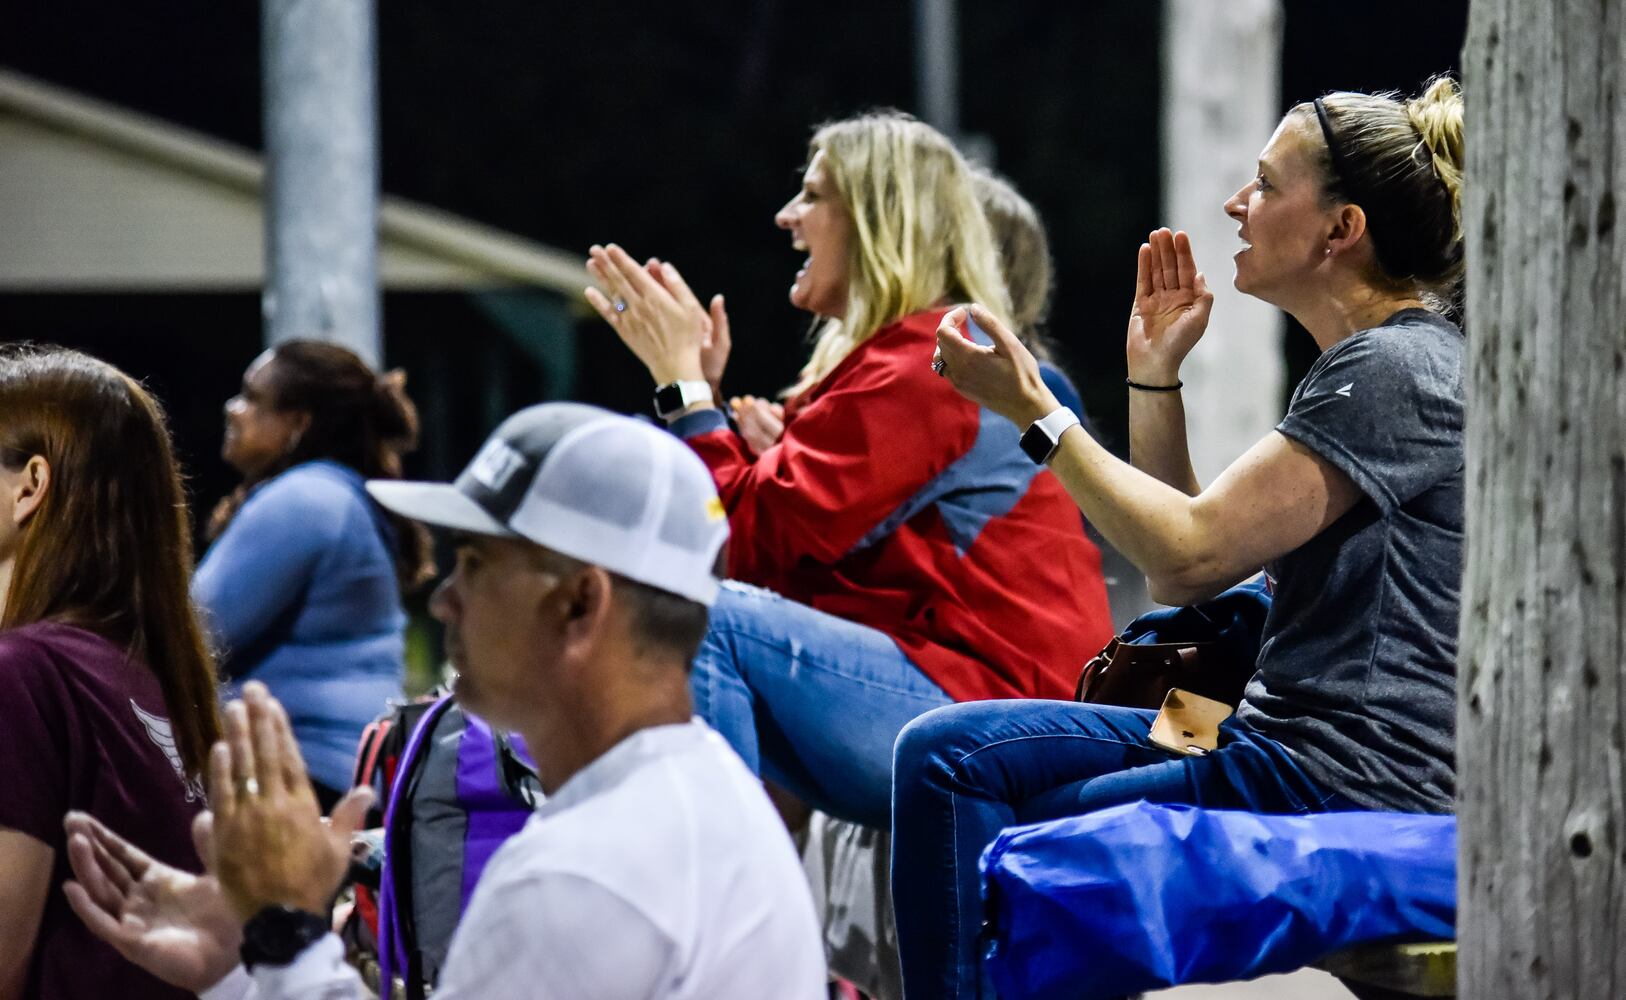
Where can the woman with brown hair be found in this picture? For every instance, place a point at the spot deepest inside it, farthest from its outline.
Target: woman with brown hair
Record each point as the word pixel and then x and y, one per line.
pixel 107 684
pixel 302 585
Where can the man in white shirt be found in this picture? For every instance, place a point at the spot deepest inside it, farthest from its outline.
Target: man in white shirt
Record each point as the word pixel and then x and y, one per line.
pixel 656 867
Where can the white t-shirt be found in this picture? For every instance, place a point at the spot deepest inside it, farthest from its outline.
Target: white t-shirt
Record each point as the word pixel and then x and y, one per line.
pixel 659 870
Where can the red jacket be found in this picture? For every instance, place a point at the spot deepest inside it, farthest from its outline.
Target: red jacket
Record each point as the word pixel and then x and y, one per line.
pixel 895 502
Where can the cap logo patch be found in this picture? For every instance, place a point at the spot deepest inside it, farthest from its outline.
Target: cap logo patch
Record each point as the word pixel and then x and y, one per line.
pixel 495 465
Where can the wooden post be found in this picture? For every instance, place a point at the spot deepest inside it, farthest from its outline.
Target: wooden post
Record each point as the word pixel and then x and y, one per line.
pixel 1541 724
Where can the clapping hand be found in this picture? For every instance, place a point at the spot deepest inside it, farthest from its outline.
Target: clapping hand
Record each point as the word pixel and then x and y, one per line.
pixel 1172 302
pixel 660 321
pixel 1005 377
pixel 271 846
pixel 761 422
pixel 264 844
pixel 172 923
pixel 719 342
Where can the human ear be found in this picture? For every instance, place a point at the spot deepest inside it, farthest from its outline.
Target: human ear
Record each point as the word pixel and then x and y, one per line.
pixel 1348 226
pixel 32 485
pixel 298 423
pixel 587 597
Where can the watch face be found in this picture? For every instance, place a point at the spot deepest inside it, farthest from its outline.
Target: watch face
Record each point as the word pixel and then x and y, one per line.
pixel 1037 444
pixel 668 399
pixel 675 397
pixel 276 934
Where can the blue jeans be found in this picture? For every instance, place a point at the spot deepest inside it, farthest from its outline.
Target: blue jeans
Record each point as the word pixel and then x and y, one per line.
pixel 810 701
pixel 965 772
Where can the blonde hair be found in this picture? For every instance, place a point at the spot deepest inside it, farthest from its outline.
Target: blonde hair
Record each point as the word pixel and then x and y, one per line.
pixel 1401 161
pixel 919 237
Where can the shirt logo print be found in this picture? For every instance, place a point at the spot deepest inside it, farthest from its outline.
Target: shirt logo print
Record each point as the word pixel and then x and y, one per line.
pixel 1343 390
pixel 162 735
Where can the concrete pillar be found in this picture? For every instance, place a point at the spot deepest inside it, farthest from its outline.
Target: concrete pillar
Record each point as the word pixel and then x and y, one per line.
pixel 319 65
pixel 937 64
pixel 1221 100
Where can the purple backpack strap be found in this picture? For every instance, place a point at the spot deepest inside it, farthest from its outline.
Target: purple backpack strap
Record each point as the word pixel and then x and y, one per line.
pixel 493 815
pixel 392 957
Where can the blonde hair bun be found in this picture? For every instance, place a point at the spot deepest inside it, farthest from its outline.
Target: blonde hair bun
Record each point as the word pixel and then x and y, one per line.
pixel 1437 116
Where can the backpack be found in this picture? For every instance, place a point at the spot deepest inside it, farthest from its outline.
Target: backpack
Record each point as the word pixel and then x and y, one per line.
pixel 456 790
pixel 378 756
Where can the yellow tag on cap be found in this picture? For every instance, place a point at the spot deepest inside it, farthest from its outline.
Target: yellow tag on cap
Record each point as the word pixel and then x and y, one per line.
pixel 714 509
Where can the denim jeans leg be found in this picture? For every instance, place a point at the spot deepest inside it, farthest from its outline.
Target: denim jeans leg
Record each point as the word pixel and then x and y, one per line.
pixel 965 773
pixel 721 696
pixel 959 775
pixel 1248 771
pixel 813 702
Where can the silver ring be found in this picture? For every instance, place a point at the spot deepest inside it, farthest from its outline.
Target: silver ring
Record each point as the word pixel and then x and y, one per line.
pixel 620 304
pixel 938 364
pixel 249 786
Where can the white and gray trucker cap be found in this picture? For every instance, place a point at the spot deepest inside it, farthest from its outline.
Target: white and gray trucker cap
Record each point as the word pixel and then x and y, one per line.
pixel 594 485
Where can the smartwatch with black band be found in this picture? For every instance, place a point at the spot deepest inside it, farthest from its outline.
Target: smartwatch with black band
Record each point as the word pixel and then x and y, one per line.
pixel 1041 440
pixel 675 397
pixel 277 934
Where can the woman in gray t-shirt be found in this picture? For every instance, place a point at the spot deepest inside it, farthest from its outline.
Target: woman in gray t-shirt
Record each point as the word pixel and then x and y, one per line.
pixel 1353 505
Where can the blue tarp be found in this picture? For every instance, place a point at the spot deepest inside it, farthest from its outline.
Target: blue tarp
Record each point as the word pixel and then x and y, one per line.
pixel 1144 896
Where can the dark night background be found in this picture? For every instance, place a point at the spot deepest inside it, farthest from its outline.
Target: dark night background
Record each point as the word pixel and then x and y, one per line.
pixel 675 129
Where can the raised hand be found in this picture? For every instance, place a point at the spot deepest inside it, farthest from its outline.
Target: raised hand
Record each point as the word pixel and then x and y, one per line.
pixel 1172 302
pixel 761 423
pixel 660 321
pixel 1005 377
pixel 271 846
pixel 714 351
pixel 172 923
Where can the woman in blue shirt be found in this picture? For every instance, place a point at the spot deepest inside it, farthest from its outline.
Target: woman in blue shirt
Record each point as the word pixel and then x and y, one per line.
pixel 302 583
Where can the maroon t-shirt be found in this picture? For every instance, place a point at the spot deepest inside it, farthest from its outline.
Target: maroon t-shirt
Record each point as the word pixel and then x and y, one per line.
pixel 82 726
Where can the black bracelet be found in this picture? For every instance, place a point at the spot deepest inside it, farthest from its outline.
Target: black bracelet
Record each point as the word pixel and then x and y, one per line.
pixel 1154 388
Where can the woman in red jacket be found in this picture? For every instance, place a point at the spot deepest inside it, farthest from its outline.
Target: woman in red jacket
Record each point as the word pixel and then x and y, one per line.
pixel 893 555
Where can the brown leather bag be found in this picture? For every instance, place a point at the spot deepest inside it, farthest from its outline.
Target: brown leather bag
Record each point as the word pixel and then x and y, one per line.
pixel 1139 675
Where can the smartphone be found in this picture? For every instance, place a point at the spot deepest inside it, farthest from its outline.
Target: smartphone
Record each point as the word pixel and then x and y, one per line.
pixel 1188 724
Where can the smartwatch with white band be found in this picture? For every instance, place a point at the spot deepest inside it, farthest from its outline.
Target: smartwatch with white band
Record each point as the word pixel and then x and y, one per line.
pixel 675 397
pixel 1041 440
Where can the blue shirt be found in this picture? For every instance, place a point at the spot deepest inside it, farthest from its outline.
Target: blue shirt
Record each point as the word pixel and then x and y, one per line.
pixel 301 593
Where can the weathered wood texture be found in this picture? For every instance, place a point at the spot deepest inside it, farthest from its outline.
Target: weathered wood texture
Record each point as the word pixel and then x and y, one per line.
pixel 1541 747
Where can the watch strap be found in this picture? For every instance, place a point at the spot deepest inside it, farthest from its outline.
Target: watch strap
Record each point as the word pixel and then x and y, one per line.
pixel 675 397
pixel 277 934
pixel 1043 437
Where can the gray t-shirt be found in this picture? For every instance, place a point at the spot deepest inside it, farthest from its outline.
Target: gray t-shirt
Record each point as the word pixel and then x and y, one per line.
pixel 1357 672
